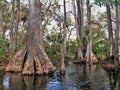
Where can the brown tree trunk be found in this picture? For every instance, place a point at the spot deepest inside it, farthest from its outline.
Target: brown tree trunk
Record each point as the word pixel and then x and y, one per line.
pixel 118 33
pixel 32 58
pixel 89 57
pixel 63 48
pixel 1 19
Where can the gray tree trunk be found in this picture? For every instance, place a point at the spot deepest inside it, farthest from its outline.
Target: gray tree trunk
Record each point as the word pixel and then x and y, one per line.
pixel 90 58
pixel 110 31
pixel 79 26
pixel 1 19
pixel 12 39
pixel 64 37
pixel 118 31
pixel 17 20
pixel 14 24
pixel 82 21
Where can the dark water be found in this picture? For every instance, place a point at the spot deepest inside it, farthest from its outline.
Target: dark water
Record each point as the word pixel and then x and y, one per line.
pixel 78 77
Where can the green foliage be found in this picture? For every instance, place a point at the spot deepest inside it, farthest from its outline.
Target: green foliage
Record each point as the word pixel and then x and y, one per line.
pixel 105 2
pixel 100 43
pixel 3 46
pixel 52 46
pixel 18 45
pixel 54 38
pixel 72 47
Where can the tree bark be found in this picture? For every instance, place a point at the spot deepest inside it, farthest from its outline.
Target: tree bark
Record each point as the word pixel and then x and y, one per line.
pixel 89 57
pixel 110 31
pixel 14 24
pixel 12 38
pixel 32 58
pixel 79 28
pixel 64 36
pixel 17 20
pixel 1 19
pixel 118 33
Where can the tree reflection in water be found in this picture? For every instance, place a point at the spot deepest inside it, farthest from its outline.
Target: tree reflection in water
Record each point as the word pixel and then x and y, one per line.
pixel 114 77
pixel 77 77
pixel 19 82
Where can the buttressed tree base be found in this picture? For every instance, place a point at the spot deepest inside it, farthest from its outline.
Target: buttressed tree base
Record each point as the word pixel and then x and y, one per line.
pixel 31 58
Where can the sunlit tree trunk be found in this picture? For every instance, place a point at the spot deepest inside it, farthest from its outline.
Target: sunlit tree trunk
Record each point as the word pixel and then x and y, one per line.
pixel 89 57
pixel 1 19
pixel 32 58
pixel 110 31
pixel 64 36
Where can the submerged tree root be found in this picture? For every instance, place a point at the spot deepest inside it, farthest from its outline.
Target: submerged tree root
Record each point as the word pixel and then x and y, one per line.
pixel 29 64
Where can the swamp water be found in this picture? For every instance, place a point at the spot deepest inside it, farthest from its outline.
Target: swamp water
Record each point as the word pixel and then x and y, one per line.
pixel 78 77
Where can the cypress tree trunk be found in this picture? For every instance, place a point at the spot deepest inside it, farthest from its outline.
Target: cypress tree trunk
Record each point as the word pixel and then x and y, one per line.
pixel 14 24
pixel 17 20
pixel 89 57
pixel 79 52
pixel 32 58
pixel 12 31
pixel 79 26
pixel 63 48
pixel 1 19
pixel 118 33
pixel 110 31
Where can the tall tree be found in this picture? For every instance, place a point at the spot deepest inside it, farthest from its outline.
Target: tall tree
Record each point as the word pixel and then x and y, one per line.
pixel 1 18
pixel 80 25
pixel 90 57
pixel 108 4
pixel 14 24
pixel 110 31
pixel 16 18
pixel 32 58
pixel 117 30
pixel 12 42
pixel 64 37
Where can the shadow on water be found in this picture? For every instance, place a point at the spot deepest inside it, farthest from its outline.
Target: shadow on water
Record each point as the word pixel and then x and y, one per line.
pixel 114 77
pixel 78 77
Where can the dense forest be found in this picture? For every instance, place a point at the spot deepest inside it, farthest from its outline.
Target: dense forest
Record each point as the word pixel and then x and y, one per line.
pixel 36 33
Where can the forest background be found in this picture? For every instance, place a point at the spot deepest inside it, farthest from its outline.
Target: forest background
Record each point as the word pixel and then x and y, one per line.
pixel 99 30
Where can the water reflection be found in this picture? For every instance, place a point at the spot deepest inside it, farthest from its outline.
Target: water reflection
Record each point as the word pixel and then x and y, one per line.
pixel 15 81
pixel 113 75
pixel 6 82
pixel 78 77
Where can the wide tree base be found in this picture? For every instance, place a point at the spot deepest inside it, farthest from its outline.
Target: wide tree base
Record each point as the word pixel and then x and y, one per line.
pixel 29 64
pixel 90 59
